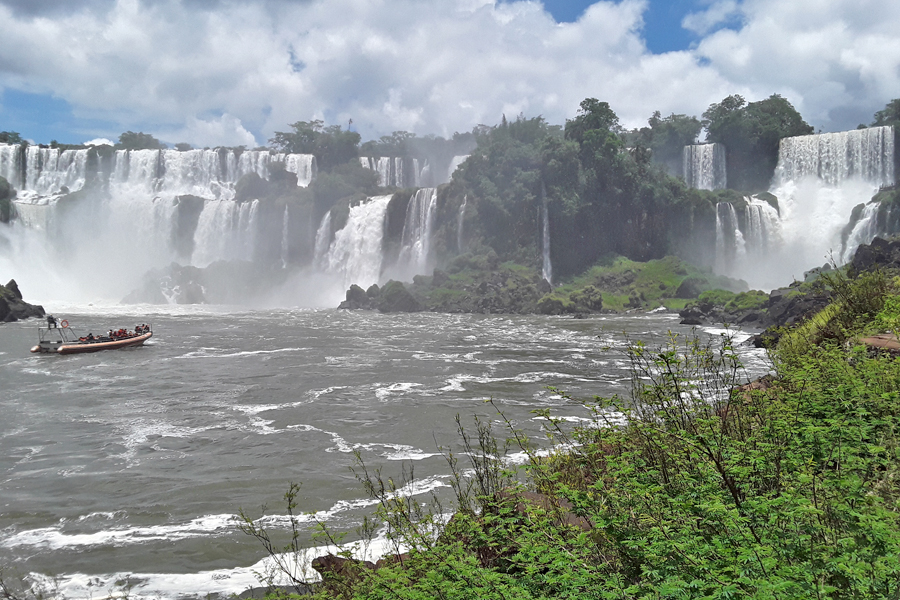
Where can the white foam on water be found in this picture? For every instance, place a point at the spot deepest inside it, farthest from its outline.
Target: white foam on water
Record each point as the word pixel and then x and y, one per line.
pixel 383 393
pixel 55 538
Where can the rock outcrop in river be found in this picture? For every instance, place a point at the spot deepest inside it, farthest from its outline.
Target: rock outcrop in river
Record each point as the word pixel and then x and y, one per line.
pixel 13 307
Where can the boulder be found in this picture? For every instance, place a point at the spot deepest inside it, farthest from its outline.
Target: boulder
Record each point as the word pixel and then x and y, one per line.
pixel 691 288
pixel 395 297
pixel 13 308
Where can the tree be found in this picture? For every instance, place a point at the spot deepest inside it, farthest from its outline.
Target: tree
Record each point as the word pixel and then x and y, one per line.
pixel 890 115
pixel 330 145
pixel 183 147
pixel 751 134
pixel 139 141
pixel 667 136
pixel 10 137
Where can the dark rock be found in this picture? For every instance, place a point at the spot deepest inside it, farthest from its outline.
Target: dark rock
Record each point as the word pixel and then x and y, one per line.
pixel 373 291
pixel 391 559
pixel 335 565
pixel 13 308
pixel 13 287
pixel 691 288
pixel 544 286
pixel 439 278
pixel 880 253
pixel 396 298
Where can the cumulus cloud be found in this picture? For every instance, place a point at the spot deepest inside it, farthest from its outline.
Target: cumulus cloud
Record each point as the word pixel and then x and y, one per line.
pixel 231 73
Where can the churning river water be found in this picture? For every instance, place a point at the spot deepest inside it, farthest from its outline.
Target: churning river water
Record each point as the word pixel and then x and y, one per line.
pixel 131 465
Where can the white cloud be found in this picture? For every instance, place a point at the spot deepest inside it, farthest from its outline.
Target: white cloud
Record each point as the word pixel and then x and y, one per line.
pixel 720 12
pixel 100 142
pixel 233 73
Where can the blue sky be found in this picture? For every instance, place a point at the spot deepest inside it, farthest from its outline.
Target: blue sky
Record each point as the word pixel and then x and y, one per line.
pixel 225 73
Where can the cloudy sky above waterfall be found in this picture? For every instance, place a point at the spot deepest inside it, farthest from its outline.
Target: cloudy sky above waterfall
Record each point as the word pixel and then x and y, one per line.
pixel 229 72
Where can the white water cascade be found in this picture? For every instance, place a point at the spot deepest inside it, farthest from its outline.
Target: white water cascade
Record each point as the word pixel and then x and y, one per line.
pixel 285 237
pixel 394 171
pixel 746 236
pixel 226 231
pixel 132 218
pixel 356 255
pixel 547 270
pixel 415 241
pixel 818 182
pixel 704 166
pixel 460 220
pixel 322 243
pixel 864 230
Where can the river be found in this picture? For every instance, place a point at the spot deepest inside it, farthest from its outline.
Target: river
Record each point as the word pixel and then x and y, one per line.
pixel 129 466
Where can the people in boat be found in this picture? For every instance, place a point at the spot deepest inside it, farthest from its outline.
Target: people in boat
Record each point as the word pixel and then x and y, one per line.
pixel 90 337
pixel 51 322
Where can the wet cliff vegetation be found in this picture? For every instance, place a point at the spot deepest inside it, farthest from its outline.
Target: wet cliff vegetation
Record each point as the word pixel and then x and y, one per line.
pixel 699 484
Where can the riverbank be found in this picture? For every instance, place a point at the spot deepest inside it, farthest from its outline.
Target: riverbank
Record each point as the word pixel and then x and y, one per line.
pixel 693 485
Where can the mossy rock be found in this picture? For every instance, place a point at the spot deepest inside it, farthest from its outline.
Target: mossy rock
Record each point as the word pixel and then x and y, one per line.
pixel 395 297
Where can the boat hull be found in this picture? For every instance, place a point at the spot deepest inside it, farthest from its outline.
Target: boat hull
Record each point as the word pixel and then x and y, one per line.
pixel 84 347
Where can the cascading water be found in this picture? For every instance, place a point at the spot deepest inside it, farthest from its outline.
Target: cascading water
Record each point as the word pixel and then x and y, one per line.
pixel 459 224
pixel 415 241
pixel 322 243
pixel 547 270
pixel 864 230
pixel 704 166
pixel 394 171
pixel 133 205
pixel 226 231
pixel 356 254
pixel 285 237
pixel 818 182
pixel 745 237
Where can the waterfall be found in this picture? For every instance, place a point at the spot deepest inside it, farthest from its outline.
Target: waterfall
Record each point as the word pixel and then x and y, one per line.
pixel 818 182
pixel 226 230
pixel 323 241
pixel 547 266
pixel 731 246
pixel 415 241
pixel 863 232
pixel 394 171
pixel 11 164
pixel 284 238
pixel 356 253
pixel 833 158
pixel 704 166
pixel 459 224
pixel 302 165
pixel 455 162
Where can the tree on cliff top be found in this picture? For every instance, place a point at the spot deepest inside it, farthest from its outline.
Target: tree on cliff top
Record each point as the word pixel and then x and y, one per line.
pixel 751 134
pixel 890 115
pixel 330 145
pixel 667 136
pixel 10 137
pixel 139 141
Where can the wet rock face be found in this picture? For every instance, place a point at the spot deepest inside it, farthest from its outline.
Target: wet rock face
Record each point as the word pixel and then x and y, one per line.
pixel 880 253
pixel 13 307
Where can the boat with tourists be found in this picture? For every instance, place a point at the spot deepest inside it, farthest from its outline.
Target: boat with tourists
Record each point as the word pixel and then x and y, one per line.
pixel 59 338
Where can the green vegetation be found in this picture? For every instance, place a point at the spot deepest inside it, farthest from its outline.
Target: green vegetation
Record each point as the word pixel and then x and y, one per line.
pixel 785 488
pixel 751 134
pixel 625 284
pixel 10 137
pixel 331 145
pixel 139 141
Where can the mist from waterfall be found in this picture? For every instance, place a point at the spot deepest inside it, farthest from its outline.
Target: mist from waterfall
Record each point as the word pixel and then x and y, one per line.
pixel 127 217
pixel 818 182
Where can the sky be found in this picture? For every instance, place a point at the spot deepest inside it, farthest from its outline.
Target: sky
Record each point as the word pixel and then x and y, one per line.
pixel 232 72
